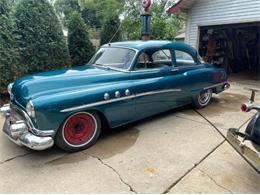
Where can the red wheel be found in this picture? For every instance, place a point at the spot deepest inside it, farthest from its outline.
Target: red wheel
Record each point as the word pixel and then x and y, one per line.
pixel 79 131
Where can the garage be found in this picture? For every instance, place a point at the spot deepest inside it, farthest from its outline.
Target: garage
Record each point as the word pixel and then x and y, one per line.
pixel 234 47
pixel 225 33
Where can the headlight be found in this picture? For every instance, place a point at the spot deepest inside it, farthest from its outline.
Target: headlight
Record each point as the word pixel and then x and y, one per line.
pixel 9 88
pixel 30 109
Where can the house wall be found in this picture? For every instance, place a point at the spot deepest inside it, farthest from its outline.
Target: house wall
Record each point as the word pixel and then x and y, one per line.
pixel 217 12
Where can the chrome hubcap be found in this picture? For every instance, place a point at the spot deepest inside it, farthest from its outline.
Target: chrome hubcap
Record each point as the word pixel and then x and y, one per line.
pixel 204 97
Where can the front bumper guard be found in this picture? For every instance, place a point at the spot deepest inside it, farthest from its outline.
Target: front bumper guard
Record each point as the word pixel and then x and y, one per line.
pixel 21 133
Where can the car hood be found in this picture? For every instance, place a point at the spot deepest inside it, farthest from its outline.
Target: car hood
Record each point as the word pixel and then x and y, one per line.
pixel 44 84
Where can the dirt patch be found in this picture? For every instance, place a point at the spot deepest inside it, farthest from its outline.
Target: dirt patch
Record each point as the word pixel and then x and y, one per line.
pixel 105 148
pixel 69 159
pixel 115 144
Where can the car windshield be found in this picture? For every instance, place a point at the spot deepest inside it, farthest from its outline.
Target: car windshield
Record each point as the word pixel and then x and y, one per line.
pixel 113 57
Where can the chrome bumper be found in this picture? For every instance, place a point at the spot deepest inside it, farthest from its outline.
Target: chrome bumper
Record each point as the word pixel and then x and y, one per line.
pixel 221 86
pixel 21 133
pixel 226 86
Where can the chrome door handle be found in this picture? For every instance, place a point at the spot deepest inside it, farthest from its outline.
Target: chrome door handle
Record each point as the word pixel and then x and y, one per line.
pixel 175 69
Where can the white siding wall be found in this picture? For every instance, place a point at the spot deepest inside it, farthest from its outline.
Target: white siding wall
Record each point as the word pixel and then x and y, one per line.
pixel 216 12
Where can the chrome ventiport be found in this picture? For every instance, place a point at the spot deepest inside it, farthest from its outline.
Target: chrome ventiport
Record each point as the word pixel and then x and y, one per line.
pixel 127 92
pixel 117 94
pixel 106 96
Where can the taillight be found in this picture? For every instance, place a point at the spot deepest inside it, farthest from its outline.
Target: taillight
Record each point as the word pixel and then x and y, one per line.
pixel 244 107
pixel 218 77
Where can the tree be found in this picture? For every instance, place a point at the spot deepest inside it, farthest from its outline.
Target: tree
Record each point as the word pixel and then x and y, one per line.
pixel 164 26
pixel 96 12
pixel 80 46
pixel 131 24
pixel 8 53
pixel 64 8
pixel 41 41
pixel 110 30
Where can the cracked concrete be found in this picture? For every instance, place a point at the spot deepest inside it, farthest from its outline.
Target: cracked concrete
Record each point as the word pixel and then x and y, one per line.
pixel 174 152
pixel 188 171
pixel 226 169
pixel 212 179
pixel 120 177
pixel 15 157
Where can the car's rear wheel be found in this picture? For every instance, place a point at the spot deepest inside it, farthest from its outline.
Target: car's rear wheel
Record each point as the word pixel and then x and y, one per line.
pixel 203 98
pixel 79 131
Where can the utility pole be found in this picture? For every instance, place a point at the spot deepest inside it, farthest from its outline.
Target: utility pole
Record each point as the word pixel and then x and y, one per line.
pixel 146 20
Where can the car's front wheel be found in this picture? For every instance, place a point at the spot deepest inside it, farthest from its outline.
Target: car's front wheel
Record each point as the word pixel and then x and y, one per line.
pixel 203 98
pixel 79 131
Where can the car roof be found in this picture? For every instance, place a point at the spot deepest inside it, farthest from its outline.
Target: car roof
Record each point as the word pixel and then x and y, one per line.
pixel 140 45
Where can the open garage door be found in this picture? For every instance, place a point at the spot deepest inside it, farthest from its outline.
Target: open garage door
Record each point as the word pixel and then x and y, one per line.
pixel 234 47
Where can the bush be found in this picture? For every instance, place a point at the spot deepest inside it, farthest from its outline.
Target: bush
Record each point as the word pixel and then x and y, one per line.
pixel 7 51
pixel 80 46
pixel 110 27
pixel 41 42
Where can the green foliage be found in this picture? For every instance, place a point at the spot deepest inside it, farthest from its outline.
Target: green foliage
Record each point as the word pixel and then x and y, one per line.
pixel 8 53
pixel 131 24
pixel 96 12
pixel 164 26
pixel 64 8
pixel 80 46
pixel 110 30
pixel 41 41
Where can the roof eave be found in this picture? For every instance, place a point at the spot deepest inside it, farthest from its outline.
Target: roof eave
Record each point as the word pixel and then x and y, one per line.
pixel 181 6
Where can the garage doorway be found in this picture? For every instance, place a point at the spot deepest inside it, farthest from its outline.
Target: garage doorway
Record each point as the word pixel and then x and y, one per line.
pixel 234 47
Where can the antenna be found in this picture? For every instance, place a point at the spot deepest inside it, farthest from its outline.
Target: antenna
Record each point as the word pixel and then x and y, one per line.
pixel 115 33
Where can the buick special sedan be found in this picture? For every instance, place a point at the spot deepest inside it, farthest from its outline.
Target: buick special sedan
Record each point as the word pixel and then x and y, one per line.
pixel 122 83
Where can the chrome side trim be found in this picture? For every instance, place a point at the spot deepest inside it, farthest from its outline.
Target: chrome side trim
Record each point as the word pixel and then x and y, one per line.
pixel 215 85
pixel 145 70
pixel 119 99
pixel 157 92
pixel 97 103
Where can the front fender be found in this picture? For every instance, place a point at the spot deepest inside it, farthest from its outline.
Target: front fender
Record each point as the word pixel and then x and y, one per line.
pixel 51 111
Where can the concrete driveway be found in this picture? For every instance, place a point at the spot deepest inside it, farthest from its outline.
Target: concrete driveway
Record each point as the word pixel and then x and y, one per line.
pixel 181 151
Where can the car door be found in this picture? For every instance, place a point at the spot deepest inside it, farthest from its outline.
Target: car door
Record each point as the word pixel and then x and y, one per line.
pixel 156 87
pixel 191 73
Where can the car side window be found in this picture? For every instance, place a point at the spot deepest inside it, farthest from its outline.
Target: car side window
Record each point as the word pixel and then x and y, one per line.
pixel 150 59
pixel 162 55
pixel 183 58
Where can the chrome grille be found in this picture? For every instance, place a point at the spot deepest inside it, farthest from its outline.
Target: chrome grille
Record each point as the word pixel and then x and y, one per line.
pixel 15 114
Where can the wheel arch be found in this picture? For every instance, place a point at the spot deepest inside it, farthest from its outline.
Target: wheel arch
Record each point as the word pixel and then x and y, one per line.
pixel 104 122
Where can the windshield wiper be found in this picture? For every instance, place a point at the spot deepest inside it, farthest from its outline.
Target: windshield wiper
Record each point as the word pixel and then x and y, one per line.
pixel 102 66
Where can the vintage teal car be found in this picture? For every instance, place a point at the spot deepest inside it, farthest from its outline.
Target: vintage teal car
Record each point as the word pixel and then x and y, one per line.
pixel 122 83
